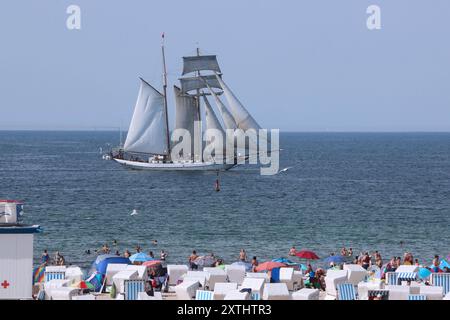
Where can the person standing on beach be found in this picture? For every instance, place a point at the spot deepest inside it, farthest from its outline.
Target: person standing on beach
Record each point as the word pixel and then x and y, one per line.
pixel 192 259
pixel 127 254
pixel 242 255
pixel 254 264
pixel 163 255
pixel 44 258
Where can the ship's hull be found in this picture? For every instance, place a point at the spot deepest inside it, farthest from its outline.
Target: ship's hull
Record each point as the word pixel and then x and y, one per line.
pixel 178 166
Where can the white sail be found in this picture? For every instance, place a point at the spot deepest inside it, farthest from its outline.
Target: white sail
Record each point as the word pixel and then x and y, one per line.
pixel 227 118
pixel 148 130
pixel 213 127
pixel 241 116
pixel 195 83
pixel 199 63
pixel 211 120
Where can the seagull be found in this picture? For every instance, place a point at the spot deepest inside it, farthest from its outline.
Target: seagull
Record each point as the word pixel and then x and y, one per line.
pixel 284 170
pixel 134 212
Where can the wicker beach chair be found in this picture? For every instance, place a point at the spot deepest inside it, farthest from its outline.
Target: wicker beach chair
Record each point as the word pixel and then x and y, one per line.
pixel 441 280
pixel 132 288
pixel 204 295
pixel 417 297
pixel 346 291
pixel 391 278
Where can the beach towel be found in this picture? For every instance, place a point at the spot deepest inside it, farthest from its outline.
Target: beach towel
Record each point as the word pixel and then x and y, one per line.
pixel 38 274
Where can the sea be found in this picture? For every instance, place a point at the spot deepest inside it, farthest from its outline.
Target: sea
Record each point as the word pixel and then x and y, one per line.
pixel 369 191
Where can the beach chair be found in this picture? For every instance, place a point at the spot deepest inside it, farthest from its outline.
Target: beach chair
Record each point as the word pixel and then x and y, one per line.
pixel 214 275
pixel 54 273
pixel 306 294
pixel 222 288
pixel 63 293
pixel 111 270
pixel 200 276
pixel 187 289
pixel 141 270
pixel 355 273
pixel 204 295
pixel 132 288
pixel 417 297
pixel 441 280
pixel 397 292
pixel 346 291
pixel 333 279
pixel 120 277
pixel 237 295
pixel 51 285
pixel 75 274
pixel 255 284
pixel 372 293
pixel 432 292
pixel 276 291
pixel 298 280
pixel 406 276
pixel 145 296
pixel 235 273
pixel 287 277
pixel 175 272
pixel 391 278
pixel 259 275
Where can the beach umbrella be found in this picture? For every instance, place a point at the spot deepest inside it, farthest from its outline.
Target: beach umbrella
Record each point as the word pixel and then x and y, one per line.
pixel 151 263
pixel 306 254
pixel 102 257
pixel 285 261
pixel 424 273
pixel 83 285
pixel 101 267
pixel 205 261
pixel 444 264
pixel 247 265
pixel 269 265
pixel 334 259
pixel 140 257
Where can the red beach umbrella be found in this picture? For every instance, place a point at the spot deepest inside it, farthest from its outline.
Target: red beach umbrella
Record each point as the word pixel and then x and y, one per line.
pixel 151 263
pixel 305 254
pixel 269 265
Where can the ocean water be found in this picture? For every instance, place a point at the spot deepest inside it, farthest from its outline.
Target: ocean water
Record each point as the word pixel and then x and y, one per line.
pixel 369 191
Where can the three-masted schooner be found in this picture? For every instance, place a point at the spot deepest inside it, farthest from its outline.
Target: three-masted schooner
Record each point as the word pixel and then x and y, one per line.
pixel 148 143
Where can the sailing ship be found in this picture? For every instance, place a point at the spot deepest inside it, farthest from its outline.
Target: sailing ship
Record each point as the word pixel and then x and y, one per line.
pixel 148 145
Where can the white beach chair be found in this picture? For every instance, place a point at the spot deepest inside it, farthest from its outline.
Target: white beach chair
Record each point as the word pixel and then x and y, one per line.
pixel 258 275
pixel 287 277
pixel 214 275
pixel 355 273
pixel 175 272
pixel 441 280
pixel 298 280
pixel 222 288
pixel 397 292
pixel 200 276
pixel 54 273
pixel 186 290
pixel 391 278
pixel 141 270
pixel 145 296
pixel 74 274
pixel 204 295
pixel 111 270
pixel 332 279
pixel 84 297
pixel 235 273
pixel 51 285
pixel 432 292
pixel 346 291
pixel 255 284
pixel 306 294
pixel 276 291
pixel 407 269
pixel 237 295
pixel 120 277
pixel 133 287
pixel 63 293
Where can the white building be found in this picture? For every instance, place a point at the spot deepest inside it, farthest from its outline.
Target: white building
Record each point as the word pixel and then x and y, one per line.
pixel 16 253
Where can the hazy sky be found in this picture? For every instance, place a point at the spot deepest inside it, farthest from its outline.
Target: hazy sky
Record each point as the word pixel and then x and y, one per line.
pixel 296 65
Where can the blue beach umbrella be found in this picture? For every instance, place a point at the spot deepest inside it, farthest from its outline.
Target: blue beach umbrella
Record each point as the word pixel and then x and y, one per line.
pixel 140 257
pixel 285 261
pixel 424 273
pixel 334 259
pixel 101 267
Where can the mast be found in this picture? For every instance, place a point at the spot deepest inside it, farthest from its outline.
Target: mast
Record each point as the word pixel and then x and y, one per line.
pixel 165 96
pixel 198 104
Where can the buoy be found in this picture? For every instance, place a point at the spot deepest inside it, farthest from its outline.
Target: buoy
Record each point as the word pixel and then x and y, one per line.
pixel 217 184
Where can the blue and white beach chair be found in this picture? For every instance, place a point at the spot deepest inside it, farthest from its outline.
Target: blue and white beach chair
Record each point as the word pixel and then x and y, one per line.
pixel 54 275
pixel 417 297
pixel 441 280
pixel 204 295
pixel 255 296
pixel 132 288
pixel 391 278
pixel 346 291
pixel 406 276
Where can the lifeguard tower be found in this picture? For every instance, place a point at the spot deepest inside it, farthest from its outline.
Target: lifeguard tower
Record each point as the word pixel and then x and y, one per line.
pixel 16 252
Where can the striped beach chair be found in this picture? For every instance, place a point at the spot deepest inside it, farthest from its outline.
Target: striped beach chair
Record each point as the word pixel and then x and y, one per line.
pixel 406 276
pixel 54 275
pixel 441 280
pixel 132 288
pixel 204 295
pixel 391 278
pixel 417 297
pixel 346 291
pixel 378 292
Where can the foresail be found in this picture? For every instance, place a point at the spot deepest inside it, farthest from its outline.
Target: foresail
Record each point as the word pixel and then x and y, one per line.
pixel 215 144
pixel 148 131
pixel 227 118
pixel 199 63
pixel 241 116
pixel 196 83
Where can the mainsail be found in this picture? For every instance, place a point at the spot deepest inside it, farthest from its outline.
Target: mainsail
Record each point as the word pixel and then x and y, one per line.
pixel 196 83
pixel 199 63
pixel 148 130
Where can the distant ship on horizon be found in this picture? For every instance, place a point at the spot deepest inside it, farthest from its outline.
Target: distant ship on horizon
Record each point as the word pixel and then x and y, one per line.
pixel 147 145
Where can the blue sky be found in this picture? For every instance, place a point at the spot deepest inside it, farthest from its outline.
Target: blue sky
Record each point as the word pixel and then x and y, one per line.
pixel 296 65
